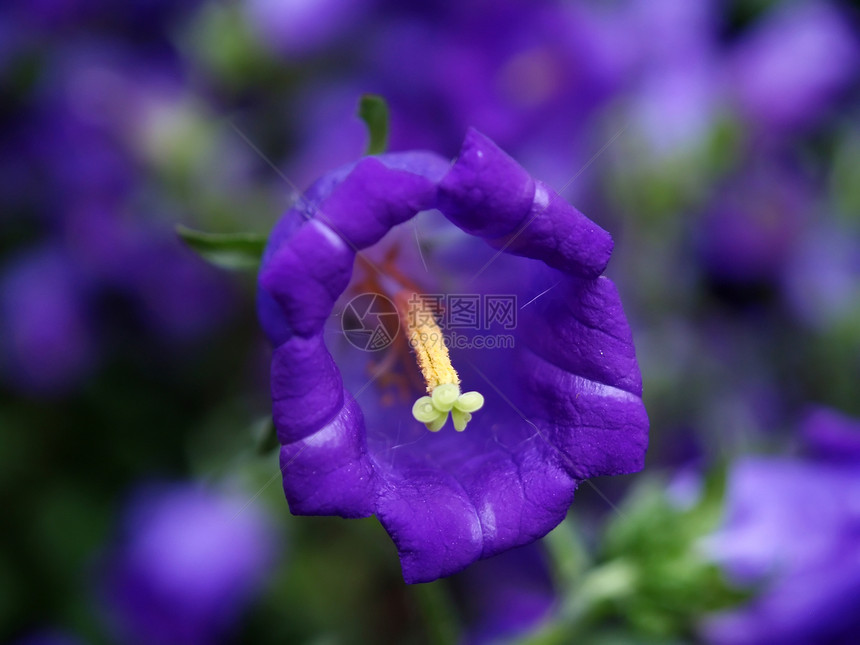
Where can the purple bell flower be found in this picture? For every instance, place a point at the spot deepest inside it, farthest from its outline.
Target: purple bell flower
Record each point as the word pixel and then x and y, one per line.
pixel 791 529
pixel 561 396
pixel 189 562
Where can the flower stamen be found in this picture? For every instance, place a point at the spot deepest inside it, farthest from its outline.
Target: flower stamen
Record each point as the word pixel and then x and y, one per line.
pixel 440 377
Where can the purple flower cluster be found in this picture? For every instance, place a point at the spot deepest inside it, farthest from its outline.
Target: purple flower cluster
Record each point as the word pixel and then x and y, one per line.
pixel 90 240
pixel 562 406
pixel 718 141
pixel 791 530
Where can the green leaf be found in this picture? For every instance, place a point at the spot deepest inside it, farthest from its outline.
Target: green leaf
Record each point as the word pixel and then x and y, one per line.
pixel 265 436
pixel 373 110
pixel 234 251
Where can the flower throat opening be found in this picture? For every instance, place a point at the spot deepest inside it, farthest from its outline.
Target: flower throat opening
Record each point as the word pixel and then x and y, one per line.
pixel 427 341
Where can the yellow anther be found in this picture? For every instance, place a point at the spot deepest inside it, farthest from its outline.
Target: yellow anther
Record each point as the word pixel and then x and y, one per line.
pixel 428 342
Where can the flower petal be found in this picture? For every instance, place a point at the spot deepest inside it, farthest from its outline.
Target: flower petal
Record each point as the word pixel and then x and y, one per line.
pixel 488 194
pixel 598 429
pixel 307 274
pixel 374 198
pixel 520 496
pixel 330 472
pixel 307 388
pixel 483 180
pixel 579 325
pixel 432 522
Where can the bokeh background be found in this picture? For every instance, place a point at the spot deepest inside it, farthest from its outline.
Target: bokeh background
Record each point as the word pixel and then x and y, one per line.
pixel 718 141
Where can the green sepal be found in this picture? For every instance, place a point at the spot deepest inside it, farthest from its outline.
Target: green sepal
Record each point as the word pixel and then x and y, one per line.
pixel 233 251
pixel 373 110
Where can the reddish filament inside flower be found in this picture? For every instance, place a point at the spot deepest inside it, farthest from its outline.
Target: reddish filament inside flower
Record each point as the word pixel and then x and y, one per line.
pixel 399 375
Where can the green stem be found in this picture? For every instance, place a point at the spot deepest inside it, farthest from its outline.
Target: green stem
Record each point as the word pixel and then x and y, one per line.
pixel 437 609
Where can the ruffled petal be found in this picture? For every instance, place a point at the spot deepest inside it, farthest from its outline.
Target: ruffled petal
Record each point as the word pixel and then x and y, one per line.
pixel 580 326
pixel 490 195
pixel 483 180
pixel 330 472
pixel 486 499
pixel 519 496
pixel 310 254
pixel 431 521
pixel 307 274
pixel 597 429
pixel 372 200
pixel 306 267
pixel 307 388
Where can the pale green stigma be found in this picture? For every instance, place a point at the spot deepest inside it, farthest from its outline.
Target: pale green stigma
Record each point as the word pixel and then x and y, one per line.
pixel 460 419
pixel 469 402
pixel 433 410
pixel 444 396
pixel 424 411
pixel 436 424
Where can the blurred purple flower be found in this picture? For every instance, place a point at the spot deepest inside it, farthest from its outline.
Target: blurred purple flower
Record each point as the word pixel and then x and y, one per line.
pixel 533 77
pixel 189 562
pixel 48 14
pixel 822 278
pixel 791 528
pixel 175 293
pixel 46 341
pixel 675 109
pixel 60 16
pixel 297 28
pixel 76 159
pixel 673 75
pixel 787 71
pixel 506 595
pixel 755 223
pixel 9 43
pixel 671 32
pixel 83 144
pixel 563 404
pixel 829 434
pixel 330 133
